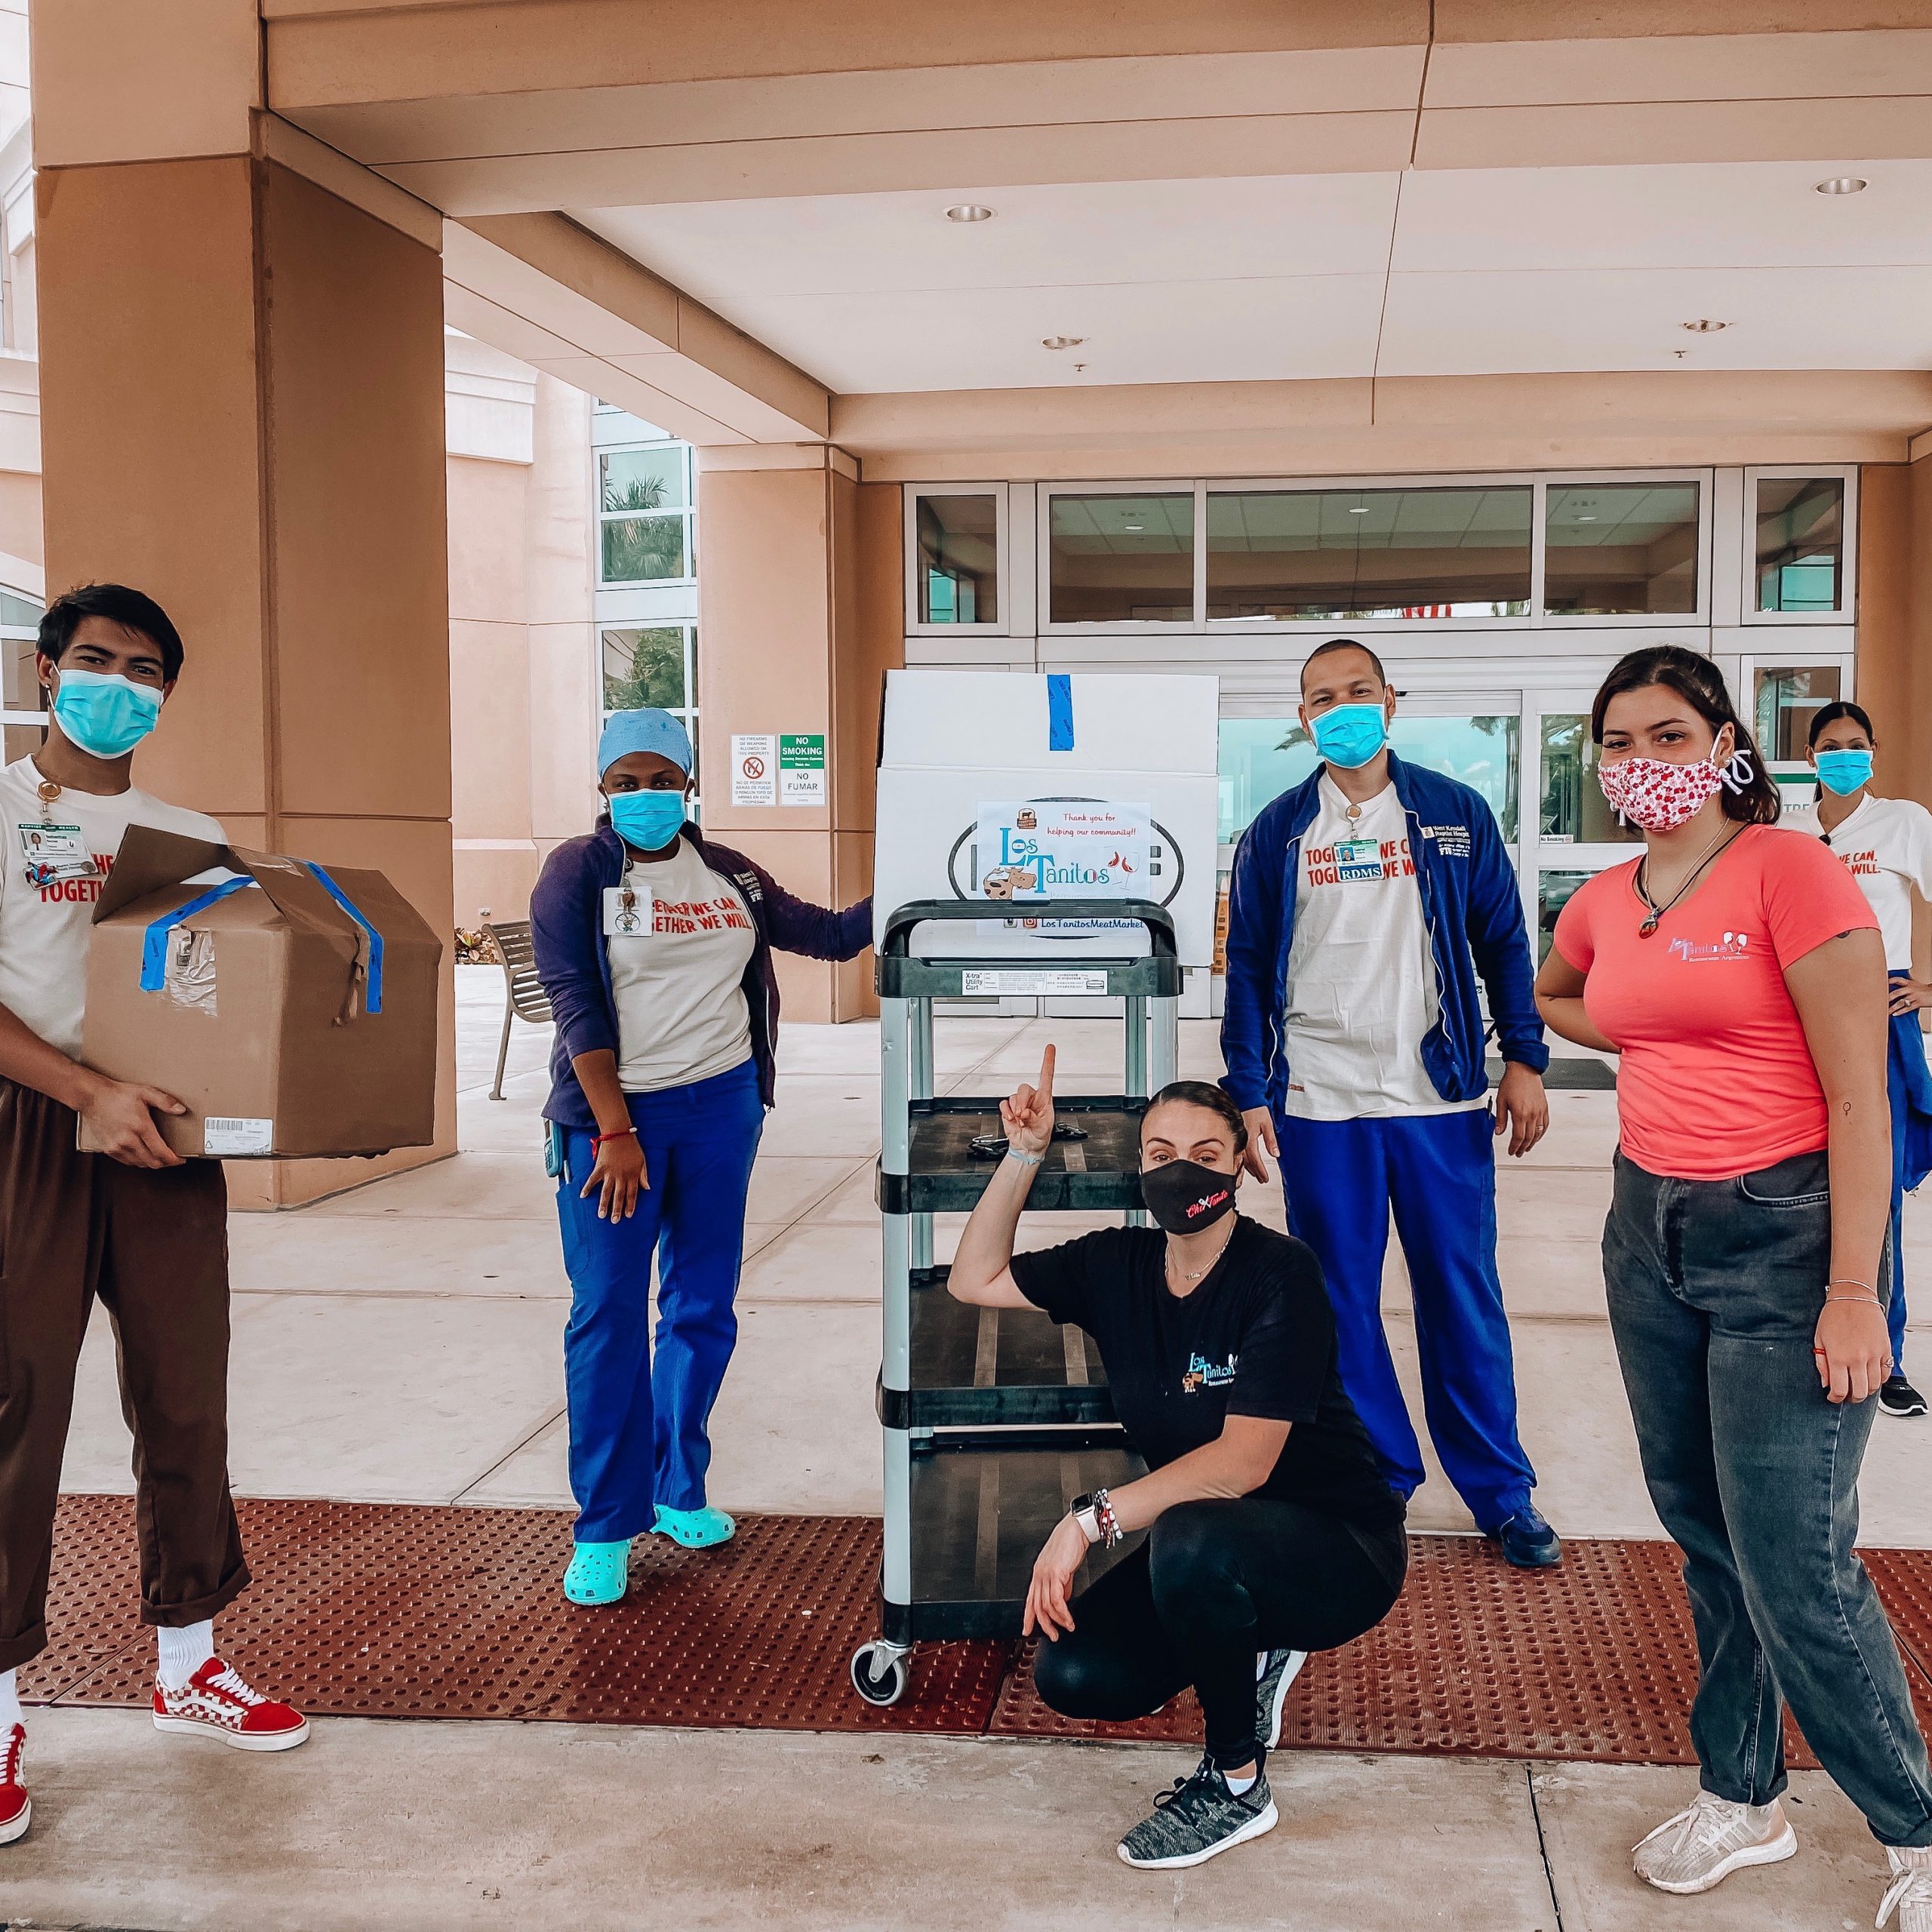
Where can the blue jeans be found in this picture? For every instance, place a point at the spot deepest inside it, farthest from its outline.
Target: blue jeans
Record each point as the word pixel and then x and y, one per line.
pixel 638 1416
pixel 1714 1289
pixel 1437 1172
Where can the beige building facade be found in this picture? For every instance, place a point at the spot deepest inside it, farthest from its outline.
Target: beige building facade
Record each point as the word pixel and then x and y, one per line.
pixel 1508 336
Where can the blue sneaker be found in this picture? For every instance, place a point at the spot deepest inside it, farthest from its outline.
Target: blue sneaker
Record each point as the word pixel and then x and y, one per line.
pixel 695 1529
pixel 1526 1542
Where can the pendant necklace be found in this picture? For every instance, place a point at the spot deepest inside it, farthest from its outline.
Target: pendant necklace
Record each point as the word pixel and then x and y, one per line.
pixel 1657 911
pixel 1195 1275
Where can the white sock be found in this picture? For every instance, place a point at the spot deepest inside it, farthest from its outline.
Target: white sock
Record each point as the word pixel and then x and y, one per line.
pixel 10 1713
pixel 1240 1786
pixel 184 1651
pixel 1260 1665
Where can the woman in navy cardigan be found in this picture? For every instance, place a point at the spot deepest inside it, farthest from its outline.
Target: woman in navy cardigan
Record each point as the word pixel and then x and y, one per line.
pixel 654 948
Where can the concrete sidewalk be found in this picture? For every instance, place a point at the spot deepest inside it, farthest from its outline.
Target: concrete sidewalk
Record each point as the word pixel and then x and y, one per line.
pixel 401 1343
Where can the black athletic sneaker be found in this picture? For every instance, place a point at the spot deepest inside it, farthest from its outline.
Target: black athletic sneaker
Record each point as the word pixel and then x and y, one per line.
pixel 1897 1397
pixel 1270 1692
pixel 1198 1818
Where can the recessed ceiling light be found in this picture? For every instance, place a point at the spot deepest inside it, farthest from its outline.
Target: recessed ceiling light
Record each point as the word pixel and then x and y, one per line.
pixel 1357 509
pixel 1841 184
pixel 1703 325
pixel 1134 526
pixel 969 211
pixel 1586 519
pixel 1061 341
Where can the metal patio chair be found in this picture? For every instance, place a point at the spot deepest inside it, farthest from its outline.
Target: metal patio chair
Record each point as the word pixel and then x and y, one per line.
pixel 523 993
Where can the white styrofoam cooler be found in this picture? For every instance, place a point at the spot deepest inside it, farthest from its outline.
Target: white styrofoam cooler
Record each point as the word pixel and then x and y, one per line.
pixel 957 743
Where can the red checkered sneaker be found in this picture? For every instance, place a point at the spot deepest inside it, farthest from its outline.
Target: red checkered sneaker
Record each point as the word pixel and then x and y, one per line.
pixel 217 1702
pixel 16 1807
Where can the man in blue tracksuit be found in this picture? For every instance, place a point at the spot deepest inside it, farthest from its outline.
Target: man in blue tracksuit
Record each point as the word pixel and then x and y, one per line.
pixel 1364 904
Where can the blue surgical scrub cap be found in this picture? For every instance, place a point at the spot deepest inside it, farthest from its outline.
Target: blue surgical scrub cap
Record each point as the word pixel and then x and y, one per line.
pixel 646 730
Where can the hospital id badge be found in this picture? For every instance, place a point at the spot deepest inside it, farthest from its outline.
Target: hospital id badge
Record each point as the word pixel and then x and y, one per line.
pixel 53 853
pixel 627 912
pixel 1357 860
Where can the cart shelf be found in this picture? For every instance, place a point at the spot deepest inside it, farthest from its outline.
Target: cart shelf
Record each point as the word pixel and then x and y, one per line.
pixel 1098 1175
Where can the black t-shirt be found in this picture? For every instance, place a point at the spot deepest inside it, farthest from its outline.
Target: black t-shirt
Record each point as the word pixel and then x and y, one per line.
pixel 1256 1338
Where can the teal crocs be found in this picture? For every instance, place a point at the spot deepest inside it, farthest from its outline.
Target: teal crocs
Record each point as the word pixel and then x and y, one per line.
pixel 695 1529
pixel 599 1572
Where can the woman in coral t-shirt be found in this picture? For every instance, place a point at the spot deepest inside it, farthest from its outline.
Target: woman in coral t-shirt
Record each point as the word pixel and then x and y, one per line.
pixel 1739 973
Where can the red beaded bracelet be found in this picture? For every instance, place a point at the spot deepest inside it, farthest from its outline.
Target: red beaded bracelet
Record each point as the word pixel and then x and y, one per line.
pixel 597 1140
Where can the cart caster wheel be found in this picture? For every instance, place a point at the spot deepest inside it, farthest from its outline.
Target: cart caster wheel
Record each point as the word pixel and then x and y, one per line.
pixel 879 1675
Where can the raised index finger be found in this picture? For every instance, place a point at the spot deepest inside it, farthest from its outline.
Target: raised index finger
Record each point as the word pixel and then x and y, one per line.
pixel 1047 1073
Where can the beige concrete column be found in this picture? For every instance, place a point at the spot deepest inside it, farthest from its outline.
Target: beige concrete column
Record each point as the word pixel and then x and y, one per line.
pixel 799 617
pixel 242 404
pixel 1895 621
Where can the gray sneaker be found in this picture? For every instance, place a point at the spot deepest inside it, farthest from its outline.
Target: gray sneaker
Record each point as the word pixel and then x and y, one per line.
pixel 1270 1692
pixel 1198 1818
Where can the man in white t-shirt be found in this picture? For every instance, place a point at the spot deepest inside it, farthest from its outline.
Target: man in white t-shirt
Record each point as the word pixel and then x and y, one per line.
pixel 1366 905
pixel 137 1227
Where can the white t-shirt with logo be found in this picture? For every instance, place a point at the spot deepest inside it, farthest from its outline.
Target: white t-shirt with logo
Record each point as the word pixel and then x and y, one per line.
pixel 681 1014
pixel 1886 845
pixel 44 929
pixel 1361 990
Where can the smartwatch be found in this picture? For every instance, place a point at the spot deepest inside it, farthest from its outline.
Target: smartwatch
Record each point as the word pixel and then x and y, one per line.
pixel 1086 1512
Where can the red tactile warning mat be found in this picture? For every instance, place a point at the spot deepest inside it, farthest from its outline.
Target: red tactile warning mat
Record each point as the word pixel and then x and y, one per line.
pixel 386 1611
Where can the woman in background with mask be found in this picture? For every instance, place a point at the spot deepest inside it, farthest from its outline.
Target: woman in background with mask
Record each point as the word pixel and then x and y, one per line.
pixel 654 948
pixel 1886 844
pixel 1739 974
pixel 1271 1532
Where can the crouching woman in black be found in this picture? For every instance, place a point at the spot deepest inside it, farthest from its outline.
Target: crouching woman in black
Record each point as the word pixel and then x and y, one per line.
pixel 1271 1532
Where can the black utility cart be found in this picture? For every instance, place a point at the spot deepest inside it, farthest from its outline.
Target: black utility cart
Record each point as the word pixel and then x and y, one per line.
pixel 994 1419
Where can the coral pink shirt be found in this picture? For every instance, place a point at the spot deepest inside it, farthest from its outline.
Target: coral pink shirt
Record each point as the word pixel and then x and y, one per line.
pixel 1716 1079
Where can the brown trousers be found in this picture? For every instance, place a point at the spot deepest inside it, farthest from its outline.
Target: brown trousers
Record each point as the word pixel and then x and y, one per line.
pixel 152 1244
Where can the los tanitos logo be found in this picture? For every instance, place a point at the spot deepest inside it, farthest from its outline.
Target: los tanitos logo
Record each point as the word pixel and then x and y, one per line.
pixel 1732 946
pixel 1202 1373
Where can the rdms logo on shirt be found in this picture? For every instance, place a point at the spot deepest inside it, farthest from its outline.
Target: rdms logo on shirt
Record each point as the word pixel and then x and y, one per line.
pixel 1731 946
pixel 1202 1373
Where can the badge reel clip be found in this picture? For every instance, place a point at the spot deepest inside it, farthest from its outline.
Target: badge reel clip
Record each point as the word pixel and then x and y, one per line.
pixel 53 854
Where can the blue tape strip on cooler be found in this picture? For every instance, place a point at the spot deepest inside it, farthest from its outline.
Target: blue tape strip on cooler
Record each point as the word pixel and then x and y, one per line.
pixel 154 941
pixel 372 1003
pixel 1059 712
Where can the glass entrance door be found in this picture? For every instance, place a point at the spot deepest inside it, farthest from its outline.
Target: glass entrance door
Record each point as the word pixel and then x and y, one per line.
pixel 1570 832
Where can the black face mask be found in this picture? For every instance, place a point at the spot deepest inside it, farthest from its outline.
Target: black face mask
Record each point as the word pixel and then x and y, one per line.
pixel 1185 1197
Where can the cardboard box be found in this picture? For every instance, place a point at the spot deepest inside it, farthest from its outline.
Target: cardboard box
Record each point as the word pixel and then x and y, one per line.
pixel 293 1009
pixel 1016 788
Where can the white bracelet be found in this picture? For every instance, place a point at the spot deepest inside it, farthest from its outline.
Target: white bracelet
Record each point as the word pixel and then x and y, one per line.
pixel 1025 1160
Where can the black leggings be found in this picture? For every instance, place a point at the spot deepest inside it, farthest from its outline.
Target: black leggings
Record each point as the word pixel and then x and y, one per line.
pixel 1213 1584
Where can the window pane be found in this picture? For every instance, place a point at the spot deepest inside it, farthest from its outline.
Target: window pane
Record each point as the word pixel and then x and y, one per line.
pixel 1333 555
pixel 1553 891
pixel 1122 560
pixel 1784 698
pixel 1261 757
pixel 639 549
pixel 645 667
pixel 1574 810
pixel 642 479
pixel 1618 548
pixel 21 610
pixel 1801 542
pixel 19 689
pixel 959 544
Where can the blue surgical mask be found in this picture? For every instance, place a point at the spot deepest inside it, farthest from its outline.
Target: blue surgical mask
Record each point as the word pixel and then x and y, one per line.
pixel 1843 772
pixel 1350 734
pixel 106 715
pixel 647 821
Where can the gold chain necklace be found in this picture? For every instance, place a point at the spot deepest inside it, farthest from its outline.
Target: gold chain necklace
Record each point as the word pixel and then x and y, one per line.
pixel 1233 1221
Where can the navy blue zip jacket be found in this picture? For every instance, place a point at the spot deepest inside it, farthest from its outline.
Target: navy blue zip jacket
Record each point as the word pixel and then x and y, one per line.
pixel 573 960
pixel 1470 902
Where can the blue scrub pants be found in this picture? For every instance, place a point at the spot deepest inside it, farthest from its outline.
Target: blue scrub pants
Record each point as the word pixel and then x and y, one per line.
pixel 1909 1087
pixel 1437 1172
pixel 637 1416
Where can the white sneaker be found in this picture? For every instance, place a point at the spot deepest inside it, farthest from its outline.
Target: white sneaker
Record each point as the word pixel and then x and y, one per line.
pixel 1910 1893
pixel 1710 1839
